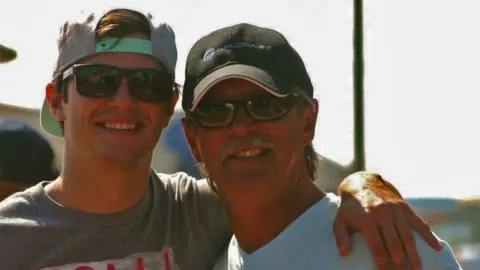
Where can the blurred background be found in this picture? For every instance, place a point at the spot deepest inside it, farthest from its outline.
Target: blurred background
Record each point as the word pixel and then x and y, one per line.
pixel 421 89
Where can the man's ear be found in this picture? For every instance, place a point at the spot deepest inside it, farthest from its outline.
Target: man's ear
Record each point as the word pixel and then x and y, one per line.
pixel 310 114
pixel 54 99
pixel 189 131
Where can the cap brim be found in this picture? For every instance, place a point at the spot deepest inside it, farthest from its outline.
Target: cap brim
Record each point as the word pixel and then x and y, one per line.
pixel 275 86
pixel 48 122
pixel 7 54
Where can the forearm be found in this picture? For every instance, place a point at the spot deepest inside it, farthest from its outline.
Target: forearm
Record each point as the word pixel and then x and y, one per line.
pixel 361 183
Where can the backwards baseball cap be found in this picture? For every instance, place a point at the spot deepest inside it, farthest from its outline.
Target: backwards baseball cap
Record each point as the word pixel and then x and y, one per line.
pixel 26 157
pixel 260 55
pixel 7 54
pixel 78 41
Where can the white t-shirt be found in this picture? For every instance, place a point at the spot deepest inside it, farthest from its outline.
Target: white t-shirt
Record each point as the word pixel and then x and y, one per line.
pixel 309 243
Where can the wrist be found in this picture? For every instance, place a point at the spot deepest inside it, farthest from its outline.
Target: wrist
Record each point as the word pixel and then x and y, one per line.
pixel 362 184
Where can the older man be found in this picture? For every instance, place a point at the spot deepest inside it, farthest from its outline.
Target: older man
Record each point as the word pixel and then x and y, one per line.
pixel 250 121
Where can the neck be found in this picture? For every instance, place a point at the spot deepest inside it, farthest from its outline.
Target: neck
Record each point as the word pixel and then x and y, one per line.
pixel 255 222
pixel 95 185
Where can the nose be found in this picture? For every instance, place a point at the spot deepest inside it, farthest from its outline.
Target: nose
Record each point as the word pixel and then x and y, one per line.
pixel 242 123
pixel 122 97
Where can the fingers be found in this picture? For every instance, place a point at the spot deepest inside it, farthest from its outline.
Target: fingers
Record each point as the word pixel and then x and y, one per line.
pixel 376 245
pixel 429 237
pixel 408 241
pixel 342 237
pixel 423 229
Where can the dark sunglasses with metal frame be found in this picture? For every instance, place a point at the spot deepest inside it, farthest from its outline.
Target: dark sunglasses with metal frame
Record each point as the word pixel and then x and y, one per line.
pixel 102 81
pixel 261 108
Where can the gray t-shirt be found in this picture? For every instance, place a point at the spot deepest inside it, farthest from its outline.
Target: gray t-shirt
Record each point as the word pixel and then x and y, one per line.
pixel 179 224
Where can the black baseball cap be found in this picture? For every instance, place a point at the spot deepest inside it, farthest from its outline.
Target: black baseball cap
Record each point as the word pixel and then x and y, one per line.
pixel 26 157
pixel 260 55
pixel 7 54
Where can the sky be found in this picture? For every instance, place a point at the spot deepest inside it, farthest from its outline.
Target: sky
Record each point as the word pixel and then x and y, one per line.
pixel 421 86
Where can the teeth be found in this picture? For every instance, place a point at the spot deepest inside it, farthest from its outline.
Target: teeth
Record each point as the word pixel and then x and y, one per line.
pixel 120 126
pixel 249 152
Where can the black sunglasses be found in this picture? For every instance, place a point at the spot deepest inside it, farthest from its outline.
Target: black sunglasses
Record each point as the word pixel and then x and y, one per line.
pixel 102 81
pixel 260 108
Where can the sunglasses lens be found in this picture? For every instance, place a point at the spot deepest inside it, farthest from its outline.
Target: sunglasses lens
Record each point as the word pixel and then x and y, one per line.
pixel 214 115
pixel 261 108
pixel 269 107
pixel 96 81
pixel 148 85
pixel 151 85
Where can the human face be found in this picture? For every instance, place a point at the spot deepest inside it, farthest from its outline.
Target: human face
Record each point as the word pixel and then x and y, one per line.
pixel 247 152
pixel 122 127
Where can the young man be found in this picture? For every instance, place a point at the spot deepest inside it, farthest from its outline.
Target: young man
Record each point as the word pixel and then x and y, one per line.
pixel 250 121
pixel 112 94
pixel 26 157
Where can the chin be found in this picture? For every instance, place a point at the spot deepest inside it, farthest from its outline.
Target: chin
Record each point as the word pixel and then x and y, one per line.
pixel 124 157
pixel 249 178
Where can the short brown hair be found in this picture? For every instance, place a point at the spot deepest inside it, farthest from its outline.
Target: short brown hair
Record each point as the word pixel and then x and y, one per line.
pixel 122 22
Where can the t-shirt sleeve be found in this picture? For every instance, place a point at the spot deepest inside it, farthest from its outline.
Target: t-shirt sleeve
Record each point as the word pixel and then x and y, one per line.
pixel 203 207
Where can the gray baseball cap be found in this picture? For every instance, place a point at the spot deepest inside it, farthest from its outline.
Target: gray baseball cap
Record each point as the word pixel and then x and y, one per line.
pixel 7 54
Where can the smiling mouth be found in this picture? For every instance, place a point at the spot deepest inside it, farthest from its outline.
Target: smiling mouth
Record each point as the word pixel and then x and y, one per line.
pixel 121 127
pixel 249 153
